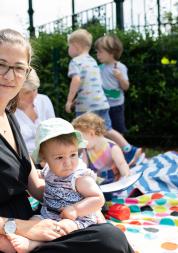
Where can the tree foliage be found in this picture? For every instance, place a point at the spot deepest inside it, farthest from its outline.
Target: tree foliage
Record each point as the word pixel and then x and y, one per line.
pixel 152 99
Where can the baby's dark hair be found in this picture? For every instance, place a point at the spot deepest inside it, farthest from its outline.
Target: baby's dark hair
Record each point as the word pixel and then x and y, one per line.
pixel 89 121
pixel 66 139
pixel 111 44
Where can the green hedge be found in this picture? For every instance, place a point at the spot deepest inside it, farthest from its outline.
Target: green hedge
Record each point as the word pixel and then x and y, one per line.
pixel 152 99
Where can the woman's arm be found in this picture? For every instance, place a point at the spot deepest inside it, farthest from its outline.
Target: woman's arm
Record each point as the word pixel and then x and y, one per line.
pixel 35 183
pixel 92 202
pixel 40 230
pixel 2 222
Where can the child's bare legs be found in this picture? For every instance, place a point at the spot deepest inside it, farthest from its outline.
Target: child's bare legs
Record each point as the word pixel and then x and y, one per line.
pixel 22 244
pixel 5 245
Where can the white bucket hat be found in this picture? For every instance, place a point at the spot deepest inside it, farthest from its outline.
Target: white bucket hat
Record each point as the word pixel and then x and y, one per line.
pixel 51 128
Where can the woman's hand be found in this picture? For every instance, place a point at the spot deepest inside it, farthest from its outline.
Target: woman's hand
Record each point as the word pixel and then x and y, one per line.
pixel 44 230
pixel 67 226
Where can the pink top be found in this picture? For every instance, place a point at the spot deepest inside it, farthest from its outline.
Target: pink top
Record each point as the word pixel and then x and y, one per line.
pixel 101 162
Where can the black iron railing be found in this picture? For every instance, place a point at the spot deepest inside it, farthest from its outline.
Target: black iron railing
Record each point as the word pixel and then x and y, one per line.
pixel 149 16
pixel 105 14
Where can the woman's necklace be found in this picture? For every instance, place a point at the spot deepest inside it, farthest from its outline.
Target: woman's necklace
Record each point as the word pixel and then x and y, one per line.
pixel 3 131
pixel 6 131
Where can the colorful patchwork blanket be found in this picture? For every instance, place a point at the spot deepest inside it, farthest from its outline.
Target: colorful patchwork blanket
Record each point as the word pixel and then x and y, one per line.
pixel 153 222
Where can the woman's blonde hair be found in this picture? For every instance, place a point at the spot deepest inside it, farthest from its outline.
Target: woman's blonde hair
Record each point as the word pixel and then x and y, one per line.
pixel 90 121
pixel 32 82
pixel 13 37
pixel 82 37
pixel 111 44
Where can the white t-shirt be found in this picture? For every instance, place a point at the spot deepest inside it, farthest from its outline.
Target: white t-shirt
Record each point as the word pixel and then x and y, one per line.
pixel 90 96
pixel 111 86
pixel 44 109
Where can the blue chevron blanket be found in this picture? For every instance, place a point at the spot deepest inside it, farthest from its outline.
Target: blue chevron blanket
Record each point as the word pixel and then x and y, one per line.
pixel 160 173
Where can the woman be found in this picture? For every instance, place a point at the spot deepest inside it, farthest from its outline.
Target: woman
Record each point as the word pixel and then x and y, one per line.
pixel 32 108
pixel 18 174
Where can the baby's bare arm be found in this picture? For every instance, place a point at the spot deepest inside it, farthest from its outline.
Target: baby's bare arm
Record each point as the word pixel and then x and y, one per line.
pixel 92 202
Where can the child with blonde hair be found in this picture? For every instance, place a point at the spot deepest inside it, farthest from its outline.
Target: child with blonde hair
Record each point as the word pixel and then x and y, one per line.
pixel 102 155
pixel 86 93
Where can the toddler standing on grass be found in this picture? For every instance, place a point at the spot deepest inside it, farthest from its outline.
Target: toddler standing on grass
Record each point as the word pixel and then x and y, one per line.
pixel 86 92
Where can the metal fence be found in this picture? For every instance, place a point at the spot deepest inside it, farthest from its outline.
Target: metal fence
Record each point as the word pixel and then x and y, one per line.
pixel 105 14
pixel 157 16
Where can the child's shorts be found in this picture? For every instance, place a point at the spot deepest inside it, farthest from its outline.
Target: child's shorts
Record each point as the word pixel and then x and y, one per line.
pixel 104 114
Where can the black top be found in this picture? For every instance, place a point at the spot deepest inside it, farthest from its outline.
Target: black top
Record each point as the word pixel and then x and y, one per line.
pixel 14 171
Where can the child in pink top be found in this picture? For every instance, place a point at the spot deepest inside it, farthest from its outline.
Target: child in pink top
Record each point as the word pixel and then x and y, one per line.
pixel 102 155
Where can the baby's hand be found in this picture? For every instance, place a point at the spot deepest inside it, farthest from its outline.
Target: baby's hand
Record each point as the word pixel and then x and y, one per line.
pixel 69 212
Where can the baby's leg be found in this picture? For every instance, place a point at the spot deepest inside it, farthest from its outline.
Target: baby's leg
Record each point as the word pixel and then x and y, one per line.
pixel 22 244
pixel 5 245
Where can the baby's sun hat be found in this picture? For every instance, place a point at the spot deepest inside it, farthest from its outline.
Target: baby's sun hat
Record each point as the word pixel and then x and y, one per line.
pixel 51 128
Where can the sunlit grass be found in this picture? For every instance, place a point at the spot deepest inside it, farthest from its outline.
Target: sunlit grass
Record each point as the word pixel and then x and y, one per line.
pixel 150 152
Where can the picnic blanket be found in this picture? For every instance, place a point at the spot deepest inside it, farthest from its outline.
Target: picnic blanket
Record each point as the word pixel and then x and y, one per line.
pixel 153 222
pixel 160 173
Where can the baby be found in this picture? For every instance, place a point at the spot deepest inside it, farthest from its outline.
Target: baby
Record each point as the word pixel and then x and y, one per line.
pixel 70 188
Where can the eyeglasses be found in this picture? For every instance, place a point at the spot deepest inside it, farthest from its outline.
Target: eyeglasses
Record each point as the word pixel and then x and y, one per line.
pixel 19 70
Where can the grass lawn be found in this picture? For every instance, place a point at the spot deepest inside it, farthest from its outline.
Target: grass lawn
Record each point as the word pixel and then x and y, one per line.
pixel 150 152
